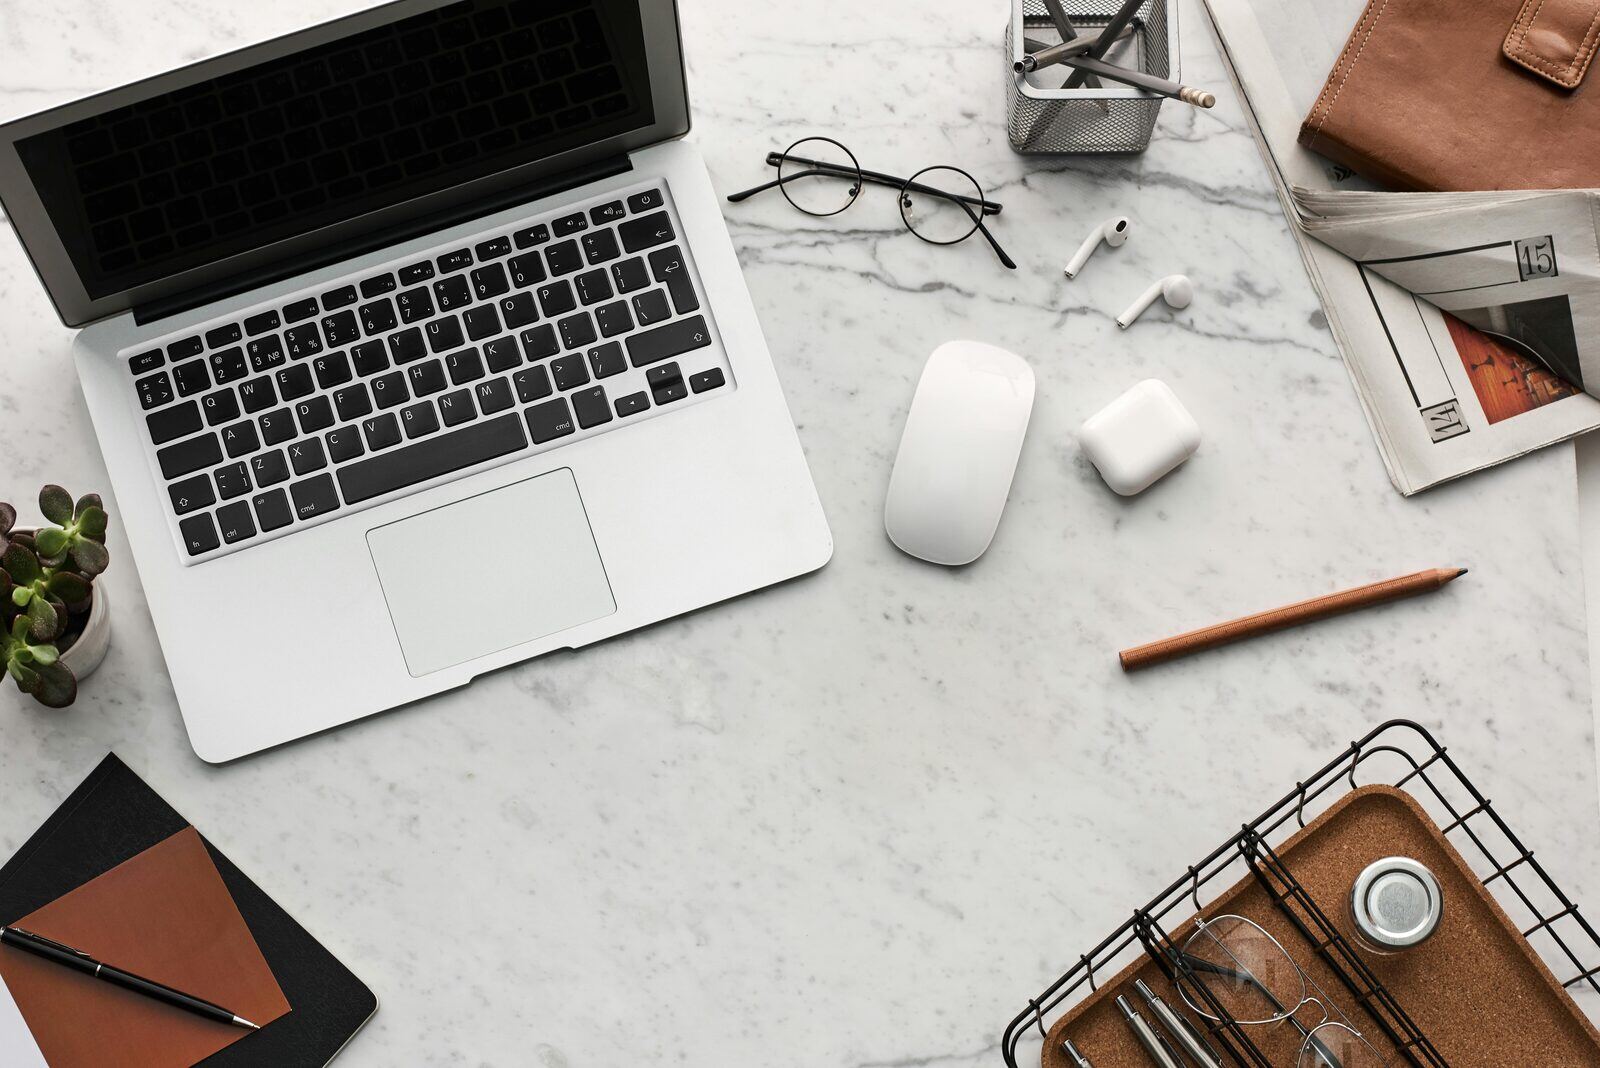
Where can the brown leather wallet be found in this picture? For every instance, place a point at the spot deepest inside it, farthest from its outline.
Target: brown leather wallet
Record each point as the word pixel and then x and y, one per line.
pixel 1465 94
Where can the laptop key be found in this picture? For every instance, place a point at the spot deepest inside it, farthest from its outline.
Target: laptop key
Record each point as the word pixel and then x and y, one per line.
pixel 706 380
pixel 646 232
pixel 260 324
pixel 277 426
pixel 223 335
pixel 235 521
pixel 532 384
pixel 533 235
pixel 191 377
pixel 482 321
pixel 294 381
pixel 416 272
pixel 664 342
pixel 265 353
pixel 369 358
pixel 344 443
pixel 175 422
pixel 492 249
pixel 307 456
pixel 232 480
pixel 600 246
pixel 556 299
pixel 315 413
pixel 563 257
pixel 191 493
pixel 632 404
pixel 300 309
pixel 613 318
pixel 464 366
pixel 526 270
pixel 502 353
pixel 187 457
pixel 426 378
pixel 630 275
pixel 549 420
pixel 591 407
pixel 605 213
pixel 415 305
pixel 649 200
pixel 240 439
pixel 651 307
pixel 380 432
pixel 220 407
pixel 199 534
pixel 342 297
pixel 569 372
pixel 668 267
pixel 455 261
pixel 577 330
pixel 592 286
pixel 606 360
pixel 314 496
pixel 257 395
pixel 453 292
pixel 519 310
pixel 228 365
pixel 270 468
pixel 272 510
pixel 539 342
pixel 489 282
pixel 390 389
pixel 569 224
pixel 182 350
pixel 444 334
pixel 154 391
pixel 456 408
pixel 493 395
pixel 376 318
pixel 146 361
pixel 332 369
pixel 341 329
pixel 432 457
pixel 376 287
pixel 407 345
pixel 352 403
pixel 302 341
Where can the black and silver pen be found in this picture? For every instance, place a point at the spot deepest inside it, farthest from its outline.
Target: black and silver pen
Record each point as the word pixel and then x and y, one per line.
pixel 1179 1028
pixel 1153 1045
pixel 80 961
pixel 1078 1059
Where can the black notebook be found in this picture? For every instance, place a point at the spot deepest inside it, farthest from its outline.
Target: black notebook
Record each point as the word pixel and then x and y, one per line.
pixel 113 816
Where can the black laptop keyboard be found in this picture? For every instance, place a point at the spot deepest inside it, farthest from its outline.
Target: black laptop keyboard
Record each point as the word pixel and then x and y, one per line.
pixel 522 341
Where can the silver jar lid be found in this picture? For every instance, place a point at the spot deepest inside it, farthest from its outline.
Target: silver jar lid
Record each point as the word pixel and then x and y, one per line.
pixel 1396 902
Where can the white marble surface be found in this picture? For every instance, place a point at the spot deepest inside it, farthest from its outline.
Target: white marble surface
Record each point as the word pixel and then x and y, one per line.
pixel 859 819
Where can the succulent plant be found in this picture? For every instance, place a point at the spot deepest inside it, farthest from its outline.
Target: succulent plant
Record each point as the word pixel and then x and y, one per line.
pixel 46 585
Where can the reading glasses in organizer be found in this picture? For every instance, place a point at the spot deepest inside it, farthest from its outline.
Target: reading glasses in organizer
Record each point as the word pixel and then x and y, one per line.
pixel 942 205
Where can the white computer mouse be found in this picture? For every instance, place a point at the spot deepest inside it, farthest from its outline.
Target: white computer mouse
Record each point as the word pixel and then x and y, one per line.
pixel 958 452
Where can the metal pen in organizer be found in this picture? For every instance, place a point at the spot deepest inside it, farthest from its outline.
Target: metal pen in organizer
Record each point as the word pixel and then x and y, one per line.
pixel 1161 1055
pixel 1182 1032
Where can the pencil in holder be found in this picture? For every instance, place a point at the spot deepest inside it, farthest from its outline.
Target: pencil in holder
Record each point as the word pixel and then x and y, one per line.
pixel 1043 119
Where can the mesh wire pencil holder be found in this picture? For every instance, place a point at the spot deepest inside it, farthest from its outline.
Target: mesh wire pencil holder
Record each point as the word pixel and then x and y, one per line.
pixel 1113 118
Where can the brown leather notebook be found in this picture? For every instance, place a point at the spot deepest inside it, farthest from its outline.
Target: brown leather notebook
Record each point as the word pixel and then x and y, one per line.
pixel 164 914
pixel 1465 94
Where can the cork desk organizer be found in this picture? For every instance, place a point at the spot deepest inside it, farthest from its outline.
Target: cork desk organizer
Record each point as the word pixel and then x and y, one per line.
pixel 1477 993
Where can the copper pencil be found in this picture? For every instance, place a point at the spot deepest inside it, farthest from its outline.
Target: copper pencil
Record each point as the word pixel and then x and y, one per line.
pixel 1293 615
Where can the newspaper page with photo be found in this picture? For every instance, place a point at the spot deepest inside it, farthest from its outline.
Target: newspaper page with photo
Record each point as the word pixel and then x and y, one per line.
pixel 1468 321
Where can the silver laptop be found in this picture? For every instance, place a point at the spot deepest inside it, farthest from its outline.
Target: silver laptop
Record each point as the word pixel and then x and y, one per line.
pixel 422 320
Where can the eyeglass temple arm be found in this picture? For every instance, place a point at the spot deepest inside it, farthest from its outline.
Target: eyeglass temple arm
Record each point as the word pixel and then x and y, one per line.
pixel 987 236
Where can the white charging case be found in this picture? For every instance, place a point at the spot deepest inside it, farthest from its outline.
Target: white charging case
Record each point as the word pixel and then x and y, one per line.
pixel 1139 437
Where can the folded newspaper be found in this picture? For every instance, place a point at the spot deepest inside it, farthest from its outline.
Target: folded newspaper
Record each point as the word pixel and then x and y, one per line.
pixel 1470 322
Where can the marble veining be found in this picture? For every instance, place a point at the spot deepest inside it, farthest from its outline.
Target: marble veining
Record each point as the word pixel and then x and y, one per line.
pixel 858 819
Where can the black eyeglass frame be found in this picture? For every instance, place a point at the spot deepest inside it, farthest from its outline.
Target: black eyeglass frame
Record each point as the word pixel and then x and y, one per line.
pixel 860 174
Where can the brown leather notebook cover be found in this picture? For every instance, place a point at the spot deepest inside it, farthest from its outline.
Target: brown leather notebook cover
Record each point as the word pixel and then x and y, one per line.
pixel 1465 94
pixel 163 914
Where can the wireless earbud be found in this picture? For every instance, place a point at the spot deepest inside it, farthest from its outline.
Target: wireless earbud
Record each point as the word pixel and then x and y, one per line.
pixel 1113 232
pixel 1175 289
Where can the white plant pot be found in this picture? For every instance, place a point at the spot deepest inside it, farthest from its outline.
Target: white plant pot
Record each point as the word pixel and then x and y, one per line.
pixel 90 648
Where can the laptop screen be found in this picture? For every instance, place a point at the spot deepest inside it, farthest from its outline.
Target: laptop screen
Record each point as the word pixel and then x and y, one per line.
pixel 157 183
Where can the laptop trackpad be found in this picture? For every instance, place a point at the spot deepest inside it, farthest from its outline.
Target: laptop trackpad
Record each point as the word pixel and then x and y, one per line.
pixel 496 570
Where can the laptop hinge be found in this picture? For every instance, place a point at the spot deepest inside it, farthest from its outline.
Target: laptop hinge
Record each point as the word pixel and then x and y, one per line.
pixel 344 250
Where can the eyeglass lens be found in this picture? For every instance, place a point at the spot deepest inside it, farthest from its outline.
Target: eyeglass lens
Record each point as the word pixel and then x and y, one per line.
pixel 819 176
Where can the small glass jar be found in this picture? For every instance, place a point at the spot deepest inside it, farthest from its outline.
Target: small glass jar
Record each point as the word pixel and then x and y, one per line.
pixel 1395 904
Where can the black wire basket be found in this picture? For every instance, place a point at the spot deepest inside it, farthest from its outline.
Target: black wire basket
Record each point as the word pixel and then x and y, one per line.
pixel 1399 753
